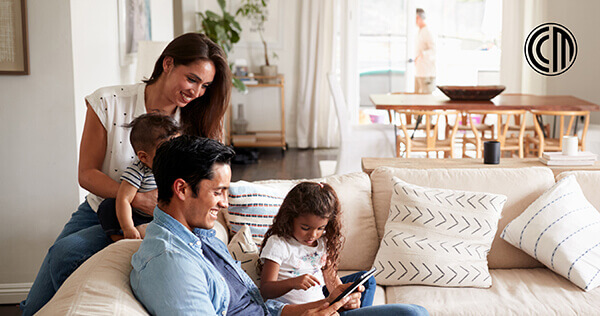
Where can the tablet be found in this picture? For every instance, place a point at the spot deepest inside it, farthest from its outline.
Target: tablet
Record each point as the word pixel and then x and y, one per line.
pixel 349 290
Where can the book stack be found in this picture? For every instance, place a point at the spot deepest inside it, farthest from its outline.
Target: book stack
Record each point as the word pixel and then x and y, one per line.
pixel 268 136
pixel 249 81
pixel 243 138
pixel 583 158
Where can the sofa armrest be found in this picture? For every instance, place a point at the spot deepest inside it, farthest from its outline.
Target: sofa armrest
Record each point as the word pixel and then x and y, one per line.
pixel 100 286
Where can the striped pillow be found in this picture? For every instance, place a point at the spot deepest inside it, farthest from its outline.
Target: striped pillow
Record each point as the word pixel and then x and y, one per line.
pixel 561 229
pixel 253 205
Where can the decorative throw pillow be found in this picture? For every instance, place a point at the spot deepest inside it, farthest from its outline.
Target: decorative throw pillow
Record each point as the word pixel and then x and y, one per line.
pixel 242 248
pixel 253 205
pixel 561 229
pixel 437 237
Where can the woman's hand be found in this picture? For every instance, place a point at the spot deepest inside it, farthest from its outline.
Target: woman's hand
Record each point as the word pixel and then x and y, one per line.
pixel 353 299
pixel 146 201
pixel 305 282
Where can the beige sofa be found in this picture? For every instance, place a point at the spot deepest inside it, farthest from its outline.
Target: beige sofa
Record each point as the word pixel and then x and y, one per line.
pixel 520 284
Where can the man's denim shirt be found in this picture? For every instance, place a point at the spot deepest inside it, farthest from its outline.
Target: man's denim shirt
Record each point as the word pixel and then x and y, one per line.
pixel 171 276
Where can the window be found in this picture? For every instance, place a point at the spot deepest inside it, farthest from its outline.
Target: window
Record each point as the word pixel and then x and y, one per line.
pixel 467 43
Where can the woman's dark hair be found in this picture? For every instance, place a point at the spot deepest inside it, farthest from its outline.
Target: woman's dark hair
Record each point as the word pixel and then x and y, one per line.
pixel 310 198
pixel 203 116
pixel 187 157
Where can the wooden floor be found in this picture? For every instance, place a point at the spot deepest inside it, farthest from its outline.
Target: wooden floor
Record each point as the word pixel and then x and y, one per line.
pixel 10 310
pixel 273 163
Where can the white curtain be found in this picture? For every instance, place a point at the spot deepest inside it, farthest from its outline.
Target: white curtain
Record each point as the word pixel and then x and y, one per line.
pixel 518 20
pixel 316 121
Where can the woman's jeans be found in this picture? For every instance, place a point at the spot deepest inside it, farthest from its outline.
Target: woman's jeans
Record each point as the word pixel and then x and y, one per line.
pixel 81 238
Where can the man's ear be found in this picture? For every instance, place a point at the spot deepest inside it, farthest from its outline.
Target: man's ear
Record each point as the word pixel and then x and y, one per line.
pixel 167 64
pixel 180 188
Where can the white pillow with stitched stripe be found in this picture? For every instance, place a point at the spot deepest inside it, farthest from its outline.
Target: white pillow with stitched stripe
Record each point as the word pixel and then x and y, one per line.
pixel 561 229
pixel 252 205
pixel 438 237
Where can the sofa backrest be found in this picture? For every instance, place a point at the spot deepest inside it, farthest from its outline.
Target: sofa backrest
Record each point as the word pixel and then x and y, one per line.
pixel 520 185
pixel 358 220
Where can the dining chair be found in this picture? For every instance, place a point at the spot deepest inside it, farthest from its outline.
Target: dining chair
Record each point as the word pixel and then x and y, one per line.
pixel 358 140
pixel 508 140
pixel 427 138
pixel 542 141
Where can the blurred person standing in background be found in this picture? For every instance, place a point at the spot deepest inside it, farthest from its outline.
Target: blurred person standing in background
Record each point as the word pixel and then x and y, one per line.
pixel 425 60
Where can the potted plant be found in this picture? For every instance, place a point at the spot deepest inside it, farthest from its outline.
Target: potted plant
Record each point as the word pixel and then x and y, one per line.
pixel 223 30
pixel 255 11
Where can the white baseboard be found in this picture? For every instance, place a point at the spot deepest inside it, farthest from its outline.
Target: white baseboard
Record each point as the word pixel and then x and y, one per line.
pixel 13 293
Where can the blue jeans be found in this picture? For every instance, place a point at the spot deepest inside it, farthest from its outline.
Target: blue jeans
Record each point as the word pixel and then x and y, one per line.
pixel 366 300
pixel 388 310
pixel 81 238
pixel 368 294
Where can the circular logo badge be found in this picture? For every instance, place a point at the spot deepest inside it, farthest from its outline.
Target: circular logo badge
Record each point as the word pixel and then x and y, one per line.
pixel 550 49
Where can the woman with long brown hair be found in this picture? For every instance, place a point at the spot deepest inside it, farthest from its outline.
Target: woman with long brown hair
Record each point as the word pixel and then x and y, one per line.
pixel 191 82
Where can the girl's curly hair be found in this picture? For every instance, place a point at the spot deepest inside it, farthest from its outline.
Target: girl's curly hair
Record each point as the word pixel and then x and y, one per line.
pixel 310 198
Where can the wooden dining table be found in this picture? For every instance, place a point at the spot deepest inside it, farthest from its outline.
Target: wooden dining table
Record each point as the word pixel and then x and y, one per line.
pixel 502 102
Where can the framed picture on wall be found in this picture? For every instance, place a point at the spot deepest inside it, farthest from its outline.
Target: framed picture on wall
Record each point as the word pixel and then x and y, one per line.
pixel 134 26
pixel 14 51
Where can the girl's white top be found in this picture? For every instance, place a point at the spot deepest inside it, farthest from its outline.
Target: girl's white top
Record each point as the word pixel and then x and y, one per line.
pixel 296 259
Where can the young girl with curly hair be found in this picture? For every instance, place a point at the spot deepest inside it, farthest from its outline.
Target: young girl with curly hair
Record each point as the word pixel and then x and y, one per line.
pixel 300 252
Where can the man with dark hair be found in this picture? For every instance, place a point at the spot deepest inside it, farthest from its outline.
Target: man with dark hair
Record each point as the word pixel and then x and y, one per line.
pixel 181 268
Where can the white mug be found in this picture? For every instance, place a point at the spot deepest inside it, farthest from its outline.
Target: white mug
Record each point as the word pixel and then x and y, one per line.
pixel 569 145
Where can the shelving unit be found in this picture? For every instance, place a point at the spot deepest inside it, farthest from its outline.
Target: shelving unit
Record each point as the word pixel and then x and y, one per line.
pixel 260 138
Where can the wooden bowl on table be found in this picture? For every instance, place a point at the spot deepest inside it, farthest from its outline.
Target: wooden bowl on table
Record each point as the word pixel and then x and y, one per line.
pixel 484 93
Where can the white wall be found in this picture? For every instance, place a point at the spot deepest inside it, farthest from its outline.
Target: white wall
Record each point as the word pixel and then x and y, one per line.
pixel 38 190
pixel 41 120
pixel 581 80
pixel 262 105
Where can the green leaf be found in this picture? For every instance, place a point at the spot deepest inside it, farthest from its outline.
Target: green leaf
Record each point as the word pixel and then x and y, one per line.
pixel 222 4
pixel 239 85
pixel 213 15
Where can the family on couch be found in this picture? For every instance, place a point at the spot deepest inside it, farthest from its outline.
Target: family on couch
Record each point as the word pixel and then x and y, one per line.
pixel 191 83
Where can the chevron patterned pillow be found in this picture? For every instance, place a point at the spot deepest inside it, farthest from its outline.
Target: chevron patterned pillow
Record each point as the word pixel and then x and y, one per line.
pixel 438 237
pixel 242 248
pixel 561 229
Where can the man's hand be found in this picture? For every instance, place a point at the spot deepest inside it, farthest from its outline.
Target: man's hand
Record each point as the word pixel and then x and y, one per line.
pixel 326 309
pixel 305 282
pixel 353 299
pixel 145 201
pixel 131 233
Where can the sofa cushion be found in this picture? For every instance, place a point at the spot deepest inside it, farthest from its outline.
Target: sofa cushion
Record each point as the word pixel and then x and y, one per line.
pixel 561 229
pixel 358 221
pixel 514 292
pixel 589 181
pixel 520 185
pixel 100 286
pixel 254 206
pixel 243 249
pixel 437 237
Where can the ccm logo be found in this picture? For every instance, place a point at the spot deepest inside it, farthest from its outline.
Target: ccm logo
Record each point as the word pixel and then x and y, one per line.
pixel 550 49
